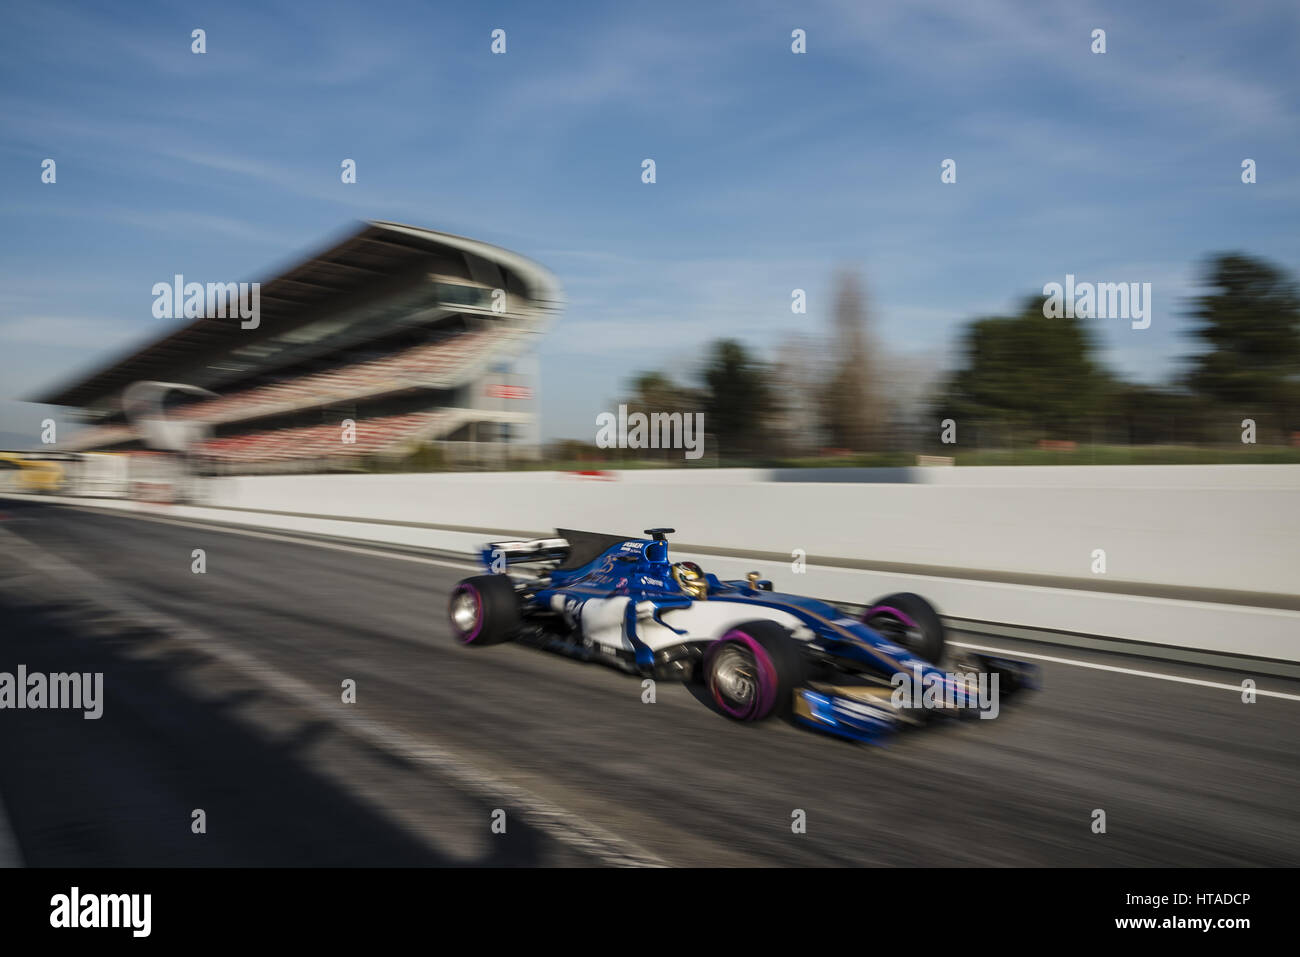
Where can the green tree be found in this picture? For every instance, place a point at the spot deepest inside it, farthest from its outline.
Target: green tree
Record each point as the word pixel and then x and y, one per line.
pixel 1249 318
pixel 657 392
pixel 1136 414
pixel 738 399
pixel 1033 373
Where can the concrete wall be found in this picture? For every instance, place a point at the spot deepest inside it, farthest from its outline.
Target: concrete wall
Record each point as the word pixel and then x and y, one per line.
pixel 1204 528
pixel 1030 532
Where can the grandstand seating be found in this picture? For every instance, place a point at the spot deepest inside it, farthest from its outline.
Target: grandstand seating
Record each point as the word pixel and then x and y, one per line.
pixel 323 441
pixel 386 321
pixel 418 365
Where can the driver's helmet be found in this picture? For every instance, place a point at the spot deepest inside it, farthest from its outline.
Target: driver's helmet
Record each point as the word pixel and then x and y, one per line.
pixel 690 577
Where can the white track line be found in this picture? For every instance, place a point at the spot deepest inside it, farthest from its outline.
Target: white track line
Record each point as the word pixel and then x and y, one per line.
pixel 1124 671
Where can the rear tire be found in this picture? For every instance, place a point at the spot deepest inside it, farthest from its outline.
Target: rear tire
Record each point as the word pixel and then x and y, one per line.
pixel 484 610
pixel 753 670
pixel 909 621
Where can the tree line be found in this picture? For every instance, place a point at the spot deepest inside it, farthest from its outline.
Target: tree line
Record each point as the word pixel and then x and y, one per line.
pixel 1019 378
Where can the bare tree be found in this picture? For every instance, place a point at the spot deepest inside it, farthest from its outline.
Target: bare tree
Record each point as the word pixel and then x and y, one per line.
pixel 796 415
pixel 853 408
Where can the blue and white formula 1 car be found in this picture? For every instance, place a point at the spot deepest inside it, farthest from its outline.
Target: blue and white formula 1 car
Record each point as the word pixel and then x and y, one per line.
pixel 620 600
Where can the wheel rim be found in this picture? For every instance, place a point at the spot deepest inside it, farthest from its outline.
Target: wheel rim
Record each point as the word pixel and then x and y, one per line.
pixel 741 676
pixel 465 612
pixel 735 679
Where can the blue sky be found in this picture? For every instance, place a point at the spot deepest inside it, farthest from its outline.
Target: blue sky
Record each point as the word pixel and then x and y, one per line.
pixel 773 168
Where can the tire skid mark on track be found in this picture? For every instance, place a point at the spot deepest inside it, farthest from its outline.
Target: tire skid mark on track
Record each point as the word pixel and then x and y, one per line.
pixel 557 823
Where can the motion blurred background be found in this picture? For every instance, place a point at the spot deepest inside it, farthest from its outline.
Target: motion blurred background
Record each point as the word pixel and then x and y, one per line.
pixel 775 172
pixel 830 229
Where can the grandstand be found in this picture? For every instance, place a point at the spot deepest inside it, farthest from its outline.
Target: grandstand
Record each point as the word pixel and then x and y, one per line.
pixel 392 339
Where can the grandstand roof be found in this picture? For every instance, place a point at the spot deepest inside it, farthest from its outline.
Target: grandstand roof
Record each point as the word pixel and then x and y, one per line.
pixel 376 252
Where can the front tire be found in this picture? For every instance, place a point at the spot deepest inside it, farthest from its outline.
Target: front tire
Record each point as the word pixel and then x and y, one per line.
pixel 753 670
pixel 909 621
pixel 484 610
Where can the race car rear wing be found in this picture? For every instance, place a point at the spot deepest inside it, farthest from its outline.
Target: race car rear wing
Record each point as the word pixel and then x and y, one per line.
pixel 533 550
pixel 571 548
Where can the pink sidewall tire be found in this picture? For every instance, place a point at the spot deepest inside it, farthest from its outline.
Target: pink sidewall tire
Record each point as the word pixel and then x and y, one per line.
pixel 911 622
pixel 752 671
pixel 484 610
